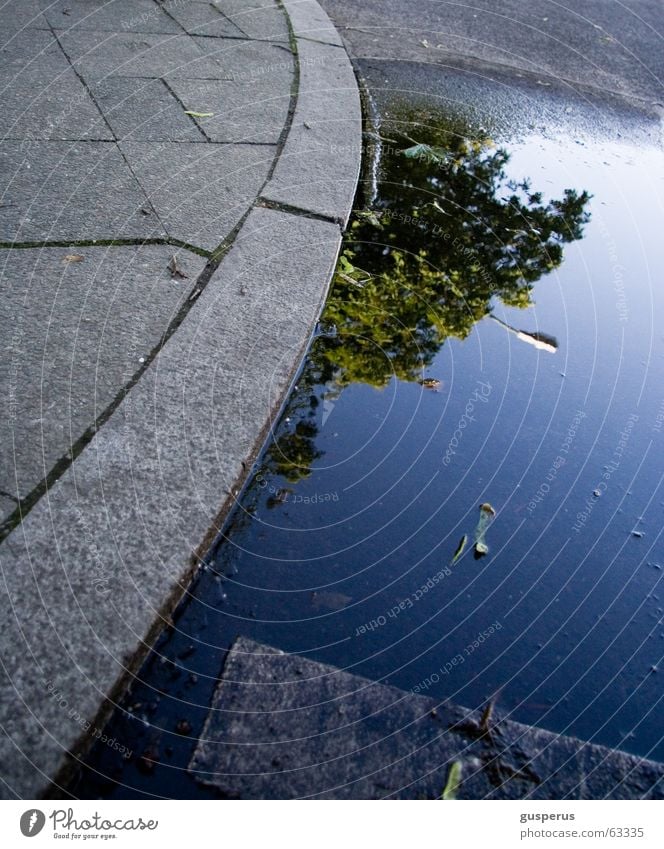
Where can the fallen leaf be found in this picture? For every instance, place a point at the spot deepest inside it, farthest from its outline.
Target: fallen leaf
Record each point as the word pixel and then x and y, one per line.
pixel 453 782
pixel 460 548
pixel 73 258
pixel 199 114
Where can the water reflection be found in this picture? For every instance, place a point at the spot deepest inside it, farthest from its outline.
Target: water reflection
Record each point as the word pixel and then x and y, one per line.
pixel 447 234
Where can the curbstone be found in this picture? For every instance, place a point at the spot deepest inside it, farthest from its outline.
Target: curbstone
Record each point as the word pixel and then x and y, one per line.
pixel 319 166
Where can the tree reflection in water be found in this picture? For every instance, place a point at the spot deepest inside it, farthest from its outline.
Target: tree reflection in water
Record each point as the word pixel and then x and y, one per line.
pixel 446 234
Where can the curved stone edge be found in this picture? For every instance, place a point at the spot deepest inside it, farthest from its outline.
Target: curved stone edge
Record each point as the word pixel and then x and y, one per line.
pixel 319 165
pixel 90 577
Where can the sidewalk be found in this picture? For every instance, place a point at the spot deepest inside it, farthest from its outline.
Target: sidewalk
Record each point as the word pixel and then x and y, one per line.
pixel 174 180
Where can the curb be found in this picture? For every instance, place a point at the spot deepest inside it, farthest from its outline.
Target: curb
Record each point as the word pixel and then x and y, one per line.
pixel 94 571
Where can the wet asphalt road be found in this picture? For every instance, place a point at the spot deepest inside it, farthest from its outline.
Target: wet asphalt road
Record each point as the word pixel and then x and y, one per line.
pixel 601 48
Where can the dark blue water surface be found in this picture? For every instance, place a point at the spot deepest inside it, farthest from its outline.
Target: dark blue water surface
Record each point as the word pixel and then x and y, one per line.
pixel 340 547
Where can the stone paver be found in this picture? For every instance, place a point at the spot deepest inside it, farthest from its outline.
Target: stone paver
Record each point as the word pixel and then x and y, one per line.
pixel 200 192
pixel 7 507
pixel 202 18
pixel 144 110
pixel 261 19
pixel 38 105
pixel 310 21
pixel 247 61
pixel 317 169
pixel 15 17
pixel 242 111
pixel 116 16
pixel 50 188
pixel 96 55
pixel 75 334
pixel 284 727
pixel 104 150
pixel 32 49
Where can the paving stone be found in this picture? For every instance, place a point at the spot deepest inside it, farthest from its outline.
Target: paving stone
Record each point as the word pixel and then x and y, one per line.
pixel 39 105
pixel 318 167
pixel 53 190
pixel 7 507
pixel 18 16
pixel 145 492
pixel 32 48
pixel 199 191
pixel 74 333
pixel 261 19
pixel 309 20
pixel 96 55
pixel 144 110
pixel 284 727
pixel 202 18
pixel 242 112
pixel 248 61
pixel 112 15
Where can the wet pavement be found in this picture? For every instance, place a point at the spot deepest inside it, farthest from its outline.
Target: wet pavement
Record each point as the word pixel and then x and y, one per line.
pixel 487 342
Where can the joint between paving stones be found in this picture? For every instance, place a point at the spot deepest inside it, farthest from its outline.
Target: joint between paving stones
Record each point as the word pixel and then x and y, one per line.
pixel 280 206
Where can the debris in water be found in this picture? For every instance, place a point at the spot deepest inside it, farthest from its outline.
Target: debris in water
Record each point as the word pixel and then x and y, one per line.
pixel 460 549
pixel 429 383
pixel 637 534
pixel 370 216
pixel 74 258
pixel 427 152
pixel 453 782
pixel 198 114
pixel 487 514
pixel 329 600
pixel 596 493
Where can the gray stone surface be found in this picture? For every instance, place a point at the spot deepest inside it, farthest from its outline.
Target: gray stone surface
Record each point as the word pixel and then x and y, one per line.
pixel 15 17
pixel 202 18
pixel 32 48
pixel 309 20
pixel 42 96
pixel 319 165
pixel 99 557
pixel 40 105
pixel 242 111
pixel 261 19
pixel 113 15
pixel 283 727
pixel 200 192
pixel 53 190
pixel 248 61
pixel 96 55
pixel 73 334
pixel 144 110
pixel 7 507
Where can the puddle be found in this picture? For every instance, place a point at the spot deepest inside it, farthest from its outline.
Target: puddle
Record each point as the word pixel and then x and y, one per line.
pixel 490 346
